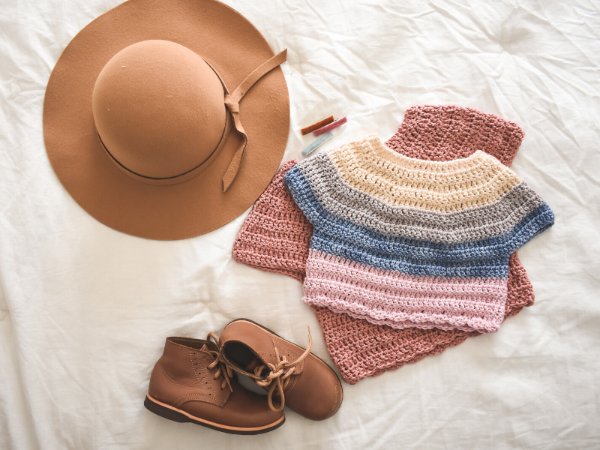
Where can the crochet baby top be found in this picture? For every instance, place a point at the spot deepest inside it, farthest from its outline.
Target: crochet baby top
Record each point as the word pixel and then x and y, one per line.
pixel 405 242
pixel 275 237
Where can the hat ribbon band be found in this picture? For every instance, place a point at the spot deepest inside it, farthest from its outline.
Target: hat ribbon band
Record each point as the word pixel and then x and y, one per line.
pixel 232 103
pixel 175 179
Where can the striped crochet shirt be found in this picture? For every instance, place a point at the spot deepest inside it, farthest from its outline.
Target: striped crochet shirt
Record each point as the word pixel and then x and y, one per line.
pixel 406 242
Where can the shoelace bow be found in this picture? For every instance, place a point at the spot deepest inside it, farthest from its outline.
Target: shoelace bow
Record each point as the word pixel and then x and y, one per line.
pixel 222 369
pixel 279 375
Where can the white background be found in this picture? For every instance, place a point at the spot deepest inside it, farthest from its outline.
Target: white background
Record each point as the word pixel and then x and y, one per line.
pixel 84 309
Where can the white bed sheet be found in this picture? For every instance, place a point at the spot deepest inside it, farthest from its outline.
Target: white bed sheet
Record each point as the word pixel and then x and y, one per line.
pixel 84 309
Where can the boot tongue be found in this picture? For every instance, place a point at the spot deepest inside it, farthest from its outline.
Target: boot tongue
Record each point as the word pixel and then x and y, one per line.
pixel 242 357
pixel 253 364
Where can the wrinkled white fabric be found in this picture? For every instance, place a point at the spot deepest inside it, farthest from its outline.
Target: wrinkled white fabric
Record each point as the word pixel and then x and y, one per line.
pixel 84 310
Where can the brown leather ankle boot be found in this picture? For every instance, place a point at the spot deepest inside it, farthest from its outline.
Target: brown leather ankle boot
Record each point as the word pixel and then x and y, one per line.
pixel 291 374
pixel 191 383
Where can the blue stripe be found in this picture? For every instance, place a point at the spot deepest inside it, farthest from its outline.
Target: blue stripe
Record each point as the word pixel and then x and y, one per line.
pixel 497 268
pixel 368 246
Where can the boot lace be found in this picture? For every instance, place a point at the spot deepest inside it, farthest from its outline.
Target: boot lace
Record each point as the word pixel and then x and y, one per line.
pixel 220 368
pixel 279 375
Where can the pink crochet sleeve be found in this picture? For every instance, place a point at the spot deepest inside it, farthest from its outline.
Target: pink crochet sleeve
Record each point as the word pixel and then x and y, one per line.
pixel 275 235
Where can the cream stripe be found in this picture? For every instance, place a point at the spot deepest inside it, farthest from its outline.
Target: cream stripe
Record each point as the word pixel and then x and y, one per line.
pixel 352 161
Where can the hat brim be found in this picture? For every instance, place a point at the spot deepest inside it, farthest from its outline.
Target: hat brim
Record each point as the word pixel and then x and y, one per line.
pixel 233 47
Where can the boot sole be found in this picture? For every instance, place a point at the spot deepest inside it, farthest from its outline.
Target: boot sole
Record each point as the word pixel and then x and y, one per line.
pixel 178 415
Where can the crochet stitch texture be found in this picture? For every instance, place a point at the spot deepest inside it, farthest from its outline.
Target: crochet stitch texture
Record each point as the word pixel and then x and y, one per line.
pixel 275 235
pixel 359 348
pixel 435 256
pixel 443 133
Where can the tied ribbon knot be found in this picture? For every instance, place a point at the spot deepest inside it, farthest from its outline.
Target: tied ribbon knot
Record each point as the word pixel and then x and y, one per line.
pixel 279 375
pixel 232 103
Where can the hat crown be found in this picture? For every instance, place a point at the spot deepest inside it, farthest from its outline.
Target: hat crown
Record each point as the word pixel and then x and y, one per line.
pixel 158 108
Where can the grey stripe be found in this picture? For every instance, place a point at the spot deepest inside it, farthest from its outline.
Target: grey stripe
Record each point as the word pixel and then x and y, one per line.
pixel 470 225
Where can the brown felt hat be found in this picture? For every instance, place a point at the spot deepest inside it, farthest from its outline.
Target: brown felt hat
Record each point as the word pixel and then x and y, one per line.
pixel 166 119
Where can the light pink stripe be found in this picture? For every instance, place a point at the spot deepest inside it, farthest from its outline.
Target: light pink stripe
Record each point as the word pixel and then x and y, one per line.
pixel 403 301
pixel 350 271
pixel 480 325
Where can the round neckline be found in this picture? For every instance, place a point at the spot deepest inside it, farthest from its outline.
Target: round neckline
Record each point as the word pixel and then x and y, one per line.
pixel 380 149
